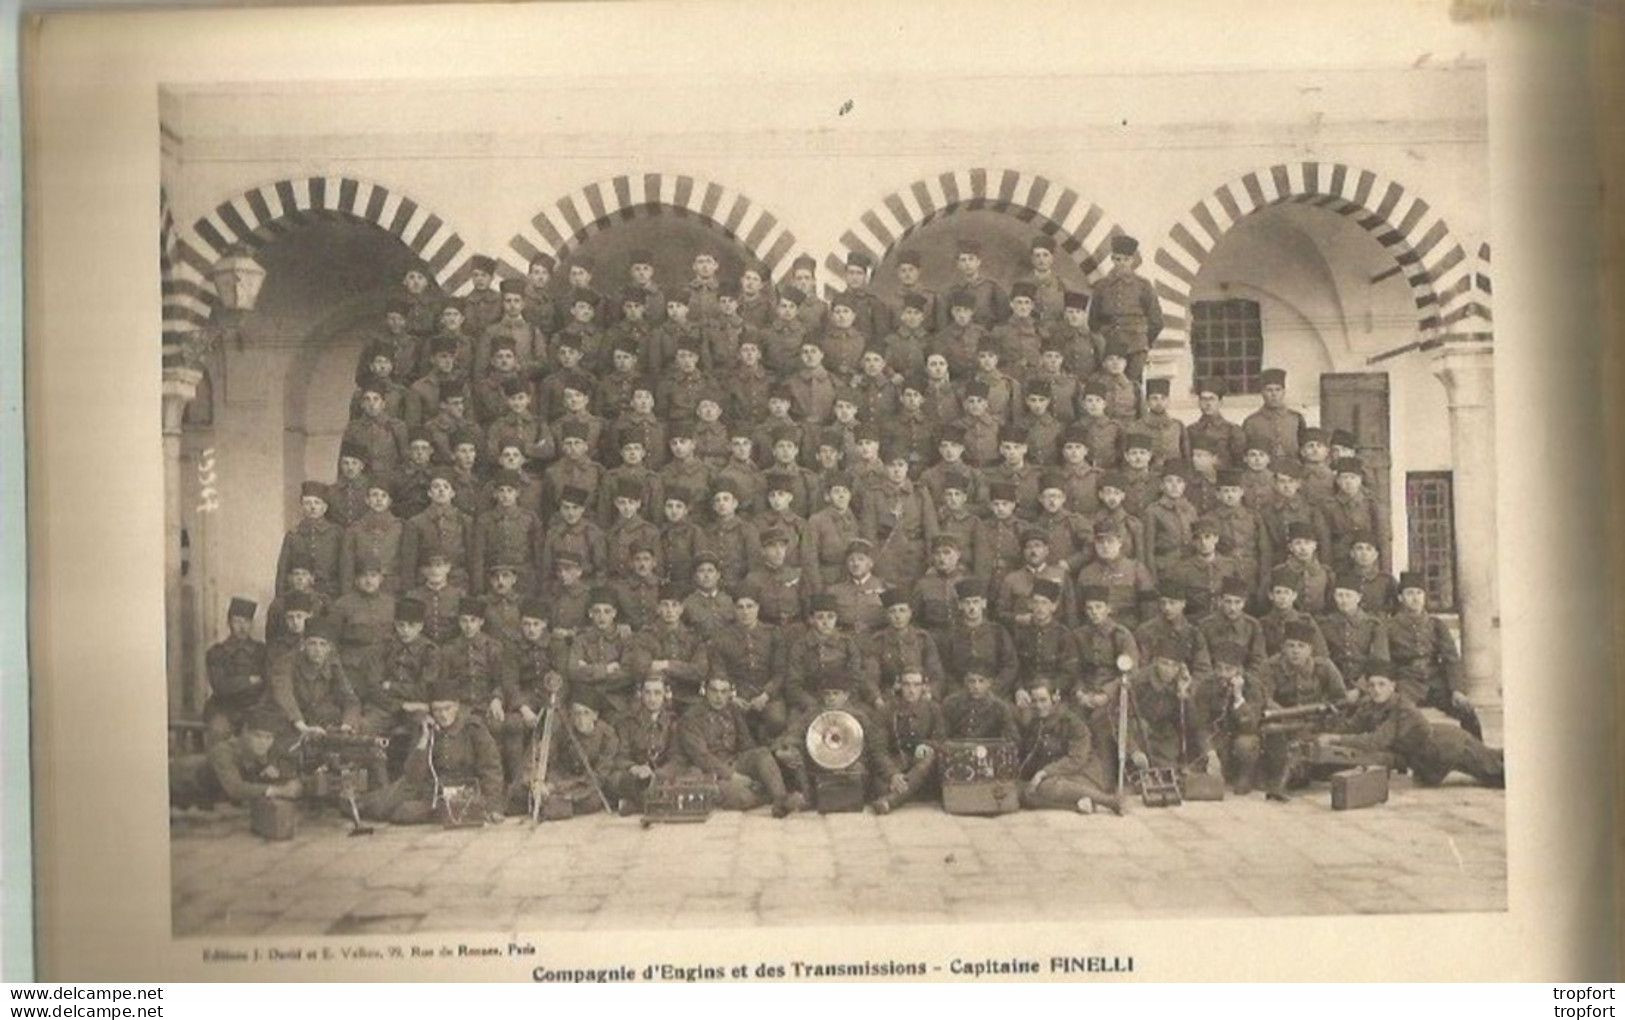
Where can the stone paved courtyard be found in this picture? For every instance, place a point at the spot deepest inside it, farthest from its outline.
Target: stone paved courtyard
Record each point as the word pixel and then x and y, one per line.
pixel 1426 850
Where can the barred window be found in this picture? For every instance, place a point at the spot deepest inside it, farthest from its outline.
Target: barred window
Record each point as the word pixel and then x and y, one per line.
pixel 1227 342
pixel 1430 518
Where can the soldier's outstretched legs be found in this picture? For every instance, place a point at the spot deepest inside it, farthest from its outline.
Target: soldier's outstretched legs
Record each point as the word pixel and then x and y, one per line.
pixel 759 764
pixel 1065 792
pixel 1453 749
pixel 1241 762
pixel 920 775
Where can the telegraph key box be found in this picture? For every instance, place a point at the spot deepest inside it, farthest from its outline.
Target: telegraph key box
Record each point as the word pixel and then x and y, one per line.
pixel 680 800
pixel 980 777
pixel 1365 786
pixel 1202 786
pixel 274 818
pixel 839 790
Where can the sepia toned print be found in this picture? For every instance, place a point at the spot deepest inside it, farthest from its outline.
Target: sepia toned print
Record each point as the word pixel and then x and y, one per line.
pixel 970 517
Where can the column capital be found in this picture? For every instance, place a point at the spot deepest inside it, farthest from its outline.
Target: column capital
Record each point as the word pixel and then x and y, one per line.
pixel 180 386
pixel 1467 370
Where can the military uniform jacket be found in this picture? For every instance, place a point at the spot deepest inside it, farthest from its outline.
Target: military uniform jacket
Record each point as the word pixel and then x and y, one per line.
pixel 812 653
pixel 1229 441
pixel 584 539
pixel 1192 645
pixel 318 695
pixel 1347 515
pixel 372 536
pixel 754 658
pixel 988 647
pixel 711 443
pixel 1244 630
pixel 1168 442
pixel 1238 717
pixel 229 771
pixel 1379 592
pixel 981 438
pixel 647 429
pixel 692 474
pixel 904 728
pixel 408 671
pixel 735 544
pixel 858 603
pixel 1172 731
pixel 1243 530
pixel 1354 638
pixel 1081 350
pixel 934 600
pixel 778 591
pixel 748 387
pixel 613 397
pixel 1279 514
pixel 1013 596
pixel 1273 624
pixel 1291 686
pixel 650 489
pixel 1203 577
pixel 1046 650
pixel 441 607
pixel 721 337
pixel 529 343
pixel 592 651
pixel 624 537
pixel 1019 343
pixel 905 352
pixel 1081 483
pixel 1422 647
pixel 1168 524
pixel 679 544
pixel 895 652
pixel 1126 582
pixel 829 532
pixel 1061 745
pixel 1142 488
pixel 1099 645
pixel 504 536
pixel 688 665
pixel 1104 436
pixel 1125 305
pixel 490 402
pixel 531 434
pixel 410 494
pixel 363 621
pixel 648 738
pixel 1309 579
pixel 990 304
pixel 229 666
pixel 1395 726
pixel 439 529
pixel 941 400
pixel 972 718
pixel 1276 430
pixel 320 539
pixel 679 393
pixel 812 393
pixel 965 526
pixel 550 394
pixel 479 665
pixel 781 342
pixel 1122 398
pixel 710 739
pixel 998 549
pixel 638 597
pixel 385 440
pixel 462 753
pixel 1043 433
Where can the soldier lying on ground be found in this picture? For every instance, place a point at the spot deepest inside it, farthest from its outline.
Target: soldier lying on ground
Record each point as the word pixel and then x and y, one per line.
pixel 1386 721
pixel 1058 759
pixel 238 768
pixel 453 750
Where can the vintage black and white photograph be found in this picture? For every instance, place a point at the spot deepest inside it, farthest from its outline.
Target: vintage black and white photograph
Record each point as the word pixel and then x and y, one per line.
pixel 627 502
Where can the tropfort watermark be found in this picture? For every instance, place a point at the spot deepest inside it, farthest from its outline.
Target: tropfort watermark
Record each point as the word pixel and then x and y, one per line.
pixel 1583 1001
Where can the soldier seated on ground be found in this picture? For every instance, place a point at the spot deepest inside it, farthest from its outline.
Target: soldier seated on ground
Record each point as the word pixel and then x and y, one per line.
pixel 236 669
pixel 648 733
pixel 582 760
pixel 1386 721
pixel 1058 760
pixel 717 744
pixel 237 769
pixel 1237 710
pixel 834 695
pixel 908 727
pixel 976 713
pixel 452 751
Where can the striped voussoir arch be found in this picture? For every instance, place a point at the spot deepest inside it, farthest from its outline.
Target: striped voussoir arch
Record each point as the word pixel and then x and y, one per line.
pixel 262 214
pixel 1432 261
pixel 1472 318
pixel 1080 227
pixel 560 228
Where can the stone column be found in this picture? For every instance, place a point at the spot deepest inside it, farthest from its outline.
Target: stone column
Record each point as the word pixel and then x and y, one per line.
pixel 1466 368
pixel 180 386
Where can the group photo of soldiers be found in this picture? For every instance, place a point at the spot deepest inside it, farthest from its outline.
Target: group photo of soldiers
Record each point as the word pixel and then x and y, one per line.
pixel 595 539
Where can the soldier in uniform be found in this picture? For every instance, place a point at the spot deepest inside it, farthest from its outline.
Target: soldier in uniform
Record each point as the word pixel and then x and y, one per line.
pixel 316 537
pixel 396 698
pixel 1101 642
pixel 1229 441
pixel 1237 710
pixel 375 535
pixel 571 532
pixel 528 340
pixel 1049 292
pixel 975 713
pixel 1169 520
pixel 1058 760
pixel 1353 636
pixel 363 619
pixel 630 531
pixel 1124 580
pixel 1302 572
pixel 1229 623
pixel 1353 513
pixel 1288 506
pixel 843 343
pixel 834 695
pixel 380 437
pixel 238 768
pixel 440 598
pixel 1169 727
pixel 1244 531
pixel 1283 611
pixel 451 750
pixel 236 670
pixel 904 348
pixel 347 496
pixel 584 758
pixel 541 310
pixel 1019 338
pixel 753 655
pixel 908 728
pixel 1387 721
pixel 648 738
pixel 1274 427
pixel 1203 571
pixel 1294 678
pixel 1379 595
pixel 670 649
pixel 717 743
pixel 311 688
pixel 506 534
pixel 1012 599
pixel 976 643
pixel 1044 645
pixel 857 595
pixel 442 528
pixel 900 647
pixel 1124 307
pixel 1426 664
pixel 602 658
pixel 1172 634
pixel 932 600
pixel 820 646
pixel 988 302
pixel 478 663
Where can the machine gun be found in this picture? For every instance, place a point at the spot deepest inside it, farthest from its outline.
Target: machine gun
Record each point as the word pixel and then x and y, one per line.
pixel 1299 719
pixel 337 766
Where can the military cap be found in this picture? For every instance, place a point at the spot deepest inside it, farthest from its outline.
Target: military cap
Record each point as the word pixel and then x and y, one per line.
pixel 514 387
pixel 859 260
pixel 804 262
pixel 1115 349
pixel 956 480
pixel 1096 387
pixel 1023 288
pixel 1204 443
pixel 1300 630
pixel 1040 388
pixel 264 719
pixel 584 295
pixel 944 540
pixel 780 481
pixel 1349 581
pixel 503 343
pixel 970 588
pixel 640 257
pixel 1272 377
pixel 1051 342
pixel 722 485
pixel 680 430
pixel 369 563
pixel 1158 385
pixel 1172 590
pixel 688 345
pixel 504 445
pixel 632 294
pixel 1348 466
pixel 976 388
pixel 1136 441
pixel 867 432
pixel 446 689
pixel 532 608
pixel 322 627
pixel 399 306
pixel 823 602
pixel 410 611
pixel 451 304
pixel 1290 468
pixel 468 434
pixel 703 558
pixel 1312 434
pixel 1075 299
pixel 728 288
pixel 602 596
pixel 513 286
pixel 909 257
pixel 312 488
pixel 298 602
pixel 1166 648
pixel 1256 443
pixel 789 292
pixel 574 428
pixel 1048 589
pixel 575 494
pixel 1094 593
pixel 471 605
pixel 915 301
pixel 1012 434
pixel 510 479
pixel 1001 491
pixel 834 678
pixel 1122 244
pixel 893 597
pixel 1229 478
pixel 1412 579
pixel 842 300
pixel 443 345
pixel 1300 529
pixel 1229 653
pixel 1234 586
pixel 544 259
pixel 969 246
pixel 1174 469
pixel 1361 535
pixel 952 432
pixel 1114 479
pixel 1051 479
pixel 961 299
pixel 775 536
pixel 1075 432
pixel 1343 438
pixel 584 696
pixel 1377 665
pixel 1107 530
pixel 372 384
pixel 860 546
pixel 1043 242
pixel 675 591
pixel 239 606
pixel 482 263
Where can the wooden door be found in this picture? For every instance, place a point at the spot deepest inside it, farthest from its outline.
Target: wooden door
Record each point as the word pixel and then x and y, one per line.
pixel 1358 402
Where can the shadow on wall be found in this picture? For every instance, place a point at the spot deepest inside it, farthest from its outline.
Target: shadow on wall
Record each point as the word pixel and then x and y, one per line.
pixel 673 238
pixel 1006 245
